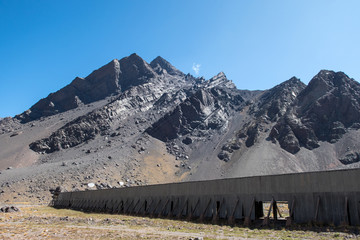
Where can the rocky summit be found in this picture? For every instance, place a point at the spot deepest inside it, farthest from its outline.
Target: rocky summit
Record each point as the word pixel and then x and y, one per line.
pixel 133 123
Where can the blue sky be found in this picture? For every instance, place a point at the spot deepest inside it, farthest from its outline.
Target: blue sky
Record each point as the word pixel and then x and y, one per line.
pixel 45 44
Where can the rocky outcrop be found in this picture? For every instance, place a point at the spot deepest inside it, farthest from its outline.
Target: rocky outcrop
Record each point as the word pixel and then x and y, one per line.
pixel 9 209
pixel 74 133
pixel 228 149
pixel 9 125
pixel 208 108
pixel 265 107
pixel 323 111
pixel 350 158
pixel 273 103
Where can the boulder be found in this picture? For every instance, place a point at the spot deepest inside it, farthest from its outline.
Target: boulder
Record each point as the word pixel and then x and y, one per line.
pixel 350 158
pixel 187 140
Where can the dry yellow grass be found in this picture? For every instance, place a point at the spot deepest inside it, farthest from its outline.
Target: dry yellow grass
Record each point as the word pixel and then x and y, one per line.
pixel 42 222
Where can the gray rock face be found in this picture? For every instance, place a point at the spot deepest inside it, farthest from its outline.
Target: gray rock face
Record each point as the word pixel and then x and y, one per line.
pixel 134 71
pixel 267 108
pixel 208 108
pixel 274 103
pixel 8 125
pixel 323 111
pixel 159 65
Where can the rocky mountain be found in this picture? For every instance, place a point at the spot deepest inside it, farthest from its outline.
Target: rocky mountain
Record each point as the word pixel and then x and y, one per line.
pixel 115 77
pixel 324 111
pixel 274 102
pixel 132 123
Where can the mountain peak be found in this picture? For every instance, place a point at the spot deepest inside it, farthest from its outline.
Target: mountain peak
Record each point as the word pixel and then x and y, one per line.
pixel 218 77
pixel 159 59
pixel 294 80
pixel 220 80
pixel 133 59
pixel 159 64
pixel 135 71
pixel 330 78
pixel 134 55
pixel 291 84
pixel 275 101
pixel 322 83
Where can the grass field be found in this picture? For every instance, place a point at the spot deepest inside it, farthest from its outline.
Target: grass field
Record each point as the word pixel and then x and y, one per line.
pixel 43 222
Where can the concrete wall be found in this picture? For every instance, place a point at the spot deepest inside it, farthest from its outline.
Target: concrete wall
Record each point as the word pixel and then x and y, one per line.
pixel 330 197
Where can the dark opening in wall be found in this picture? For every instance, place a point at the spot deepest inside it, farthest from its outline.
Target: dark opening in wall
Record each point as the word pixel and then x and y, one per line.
pixel 145 205
pixel 259 210
pixel 217 206
pixel 171 206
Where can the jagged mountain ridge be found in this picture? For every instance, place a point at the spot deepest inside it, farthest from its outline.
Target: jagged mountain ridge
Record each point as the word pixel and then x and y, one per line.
pixel 150 123
pixel 115 77
pixel 159 89
pixel 328 106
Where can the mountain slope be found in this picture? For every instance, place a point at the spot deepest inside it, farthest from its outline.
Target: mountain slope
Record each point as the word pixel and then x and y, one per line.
pixel 133 123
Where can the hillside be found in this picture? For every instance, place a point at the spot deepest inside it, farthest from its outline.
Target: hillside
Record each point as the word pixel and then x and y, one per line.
pixel 132 123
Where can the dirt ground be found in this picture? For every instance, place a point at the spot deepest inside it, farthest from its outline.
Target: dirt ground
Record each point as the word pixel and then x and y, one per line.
pixel 43 222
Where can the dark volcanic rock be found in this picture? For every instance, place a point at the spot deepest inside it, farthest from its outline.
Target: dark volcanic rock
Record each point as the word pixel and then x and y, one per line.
pixel 350 158
pixel 287 139
pixel 74 133
pixel 252 134
pixel 322 112
pixel 224 156
pixel 187 140
pixel 274 102
pixel 9 209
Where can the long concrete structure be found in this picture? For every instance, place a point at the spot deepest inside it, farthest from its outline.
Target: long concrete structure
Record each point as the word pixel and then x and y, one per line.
pixel 328 197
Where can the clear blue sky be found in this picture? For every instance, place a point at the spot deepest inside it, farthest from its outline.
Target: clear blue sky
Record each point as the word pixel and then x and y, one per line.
pixel 45 44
